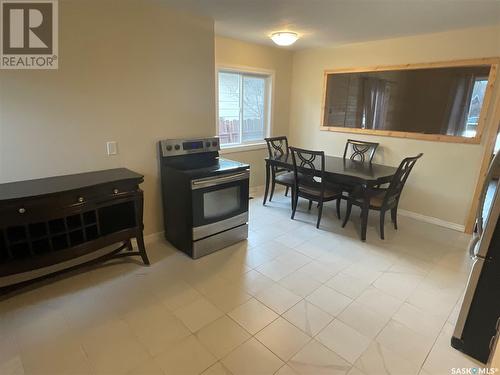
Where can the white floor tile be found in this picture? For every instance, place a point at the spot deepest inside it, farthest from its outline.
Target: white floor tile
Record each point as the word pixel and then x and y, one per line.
pixel 198 314
pixel 222 336
pixel 417 319
pixel 329 300
pixel 364 320
pixel 276 270
pixel 316 359
pixel 378 360
pixel 178 295
pixel 148 367
pixel 228 297
pixel 347 284
pixel 282 338
pixel 300 283
pixel 155 327
pixel 343 340
pixel 308 317
pixel 112 348
pixel 253 315
pixel 319 271
pixel 252 358
pixel 278 298
pixel 363 272
pixel 399 285
pixel 407 343
pixel 189 357
pixel 217 369
pixel 253 282
pixel 378 301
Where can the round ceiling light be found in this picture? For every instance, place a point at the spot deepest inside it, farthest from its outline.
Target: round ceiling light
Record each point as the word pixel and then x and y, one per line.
pixel 284 38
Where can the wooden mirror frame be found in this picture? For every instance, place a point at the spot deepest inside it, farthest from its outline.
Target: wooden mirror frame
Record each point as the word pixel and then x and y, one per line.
pixel 492 61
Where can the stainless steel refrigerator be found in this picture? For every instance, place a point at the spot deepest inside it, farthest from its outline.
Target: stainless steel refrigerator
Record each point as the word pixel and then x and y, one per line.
pixel 479 317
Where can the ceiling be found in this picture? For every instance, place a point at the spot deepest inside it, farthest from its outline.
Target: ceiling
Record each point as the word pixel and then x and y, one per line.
pixel 332 22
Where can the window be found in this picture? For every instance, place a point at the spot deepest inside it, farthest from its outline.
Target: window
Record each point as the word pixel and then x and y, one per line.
pixel 243 107
pixel 475 104
pixel 442 103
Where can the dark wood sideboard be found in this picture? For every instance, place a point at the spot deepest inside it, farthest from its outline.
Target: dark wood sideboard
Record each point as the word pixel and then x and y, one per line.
pixel 53 224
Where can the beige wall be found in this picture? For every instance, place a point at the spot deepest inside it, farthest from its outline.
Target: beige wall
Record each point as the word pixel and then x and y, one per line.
pixel 230 52
pixel 135 74
pixel 443 181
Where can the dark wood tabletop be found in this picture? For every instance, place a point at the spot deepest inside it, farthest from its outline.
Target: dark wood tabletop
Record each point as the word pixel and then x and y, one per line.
pixel 57 184
pixel 345 170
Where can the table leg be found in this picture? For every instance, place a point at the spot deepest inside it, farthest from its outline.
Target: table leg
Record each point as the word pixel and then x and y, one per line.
pixel 268 172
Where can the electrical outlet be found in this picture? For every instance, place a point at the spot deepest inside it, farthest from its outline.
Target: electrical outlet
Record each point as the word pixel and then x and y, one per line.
pixel 112 148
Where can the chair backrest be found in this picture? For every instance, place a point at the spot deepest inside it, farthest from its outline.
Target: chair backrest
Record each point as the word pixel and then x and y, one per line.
pixel 399 179
pixel 310 163
pixel 277 146
pixel 360 150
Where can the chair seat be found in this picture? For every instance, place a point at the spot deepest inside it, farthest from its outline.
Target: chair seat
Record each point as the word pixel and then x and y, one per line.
pixel 376 199
pixel 279 170
pixel 331 190
pixel 285 178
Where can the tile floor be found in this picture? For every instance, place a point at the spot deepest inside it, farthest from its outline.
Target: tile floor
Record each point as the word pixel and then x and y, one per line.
pixel 290 300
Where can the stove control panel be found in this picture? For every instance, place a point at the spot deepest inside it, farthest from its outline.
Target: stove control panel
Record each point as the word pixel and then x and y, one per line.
pixel 175 147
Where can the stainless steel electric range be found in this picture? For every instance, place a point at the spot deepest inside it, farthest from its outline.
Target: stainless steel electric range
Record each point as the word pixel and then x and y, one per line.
pixel 205 197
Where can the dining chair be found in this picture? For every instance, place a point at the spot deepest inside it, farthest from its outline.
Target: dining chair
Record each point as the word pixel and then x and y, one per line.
pixel 278 147
pixel 360 150
pixel 383 199
pixel 309 182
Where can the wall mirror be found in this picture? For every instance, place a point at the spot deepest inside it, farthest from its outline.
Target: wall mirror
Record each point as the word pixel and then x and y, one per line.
pixel 438 101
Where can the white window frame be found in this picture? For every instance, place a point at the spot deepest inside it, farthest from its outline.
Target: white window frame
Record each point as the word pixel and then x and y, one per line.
pixel 268 102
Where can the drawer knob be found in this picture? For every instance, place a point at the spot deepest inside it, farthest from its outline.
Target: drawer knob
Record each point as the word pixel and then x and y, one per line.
pixel 81 199
pixel 116 191
pixel 22 210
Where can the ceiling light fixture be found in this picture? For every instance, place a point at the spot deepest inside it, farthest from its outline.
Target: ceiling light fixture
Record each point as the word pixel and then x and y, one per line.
pixel 284 38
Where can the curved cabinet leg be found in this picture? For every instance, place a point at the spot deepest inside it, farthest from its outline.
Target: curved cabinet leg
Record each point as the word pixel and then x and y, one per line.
pixel 142 249
pixel 139 207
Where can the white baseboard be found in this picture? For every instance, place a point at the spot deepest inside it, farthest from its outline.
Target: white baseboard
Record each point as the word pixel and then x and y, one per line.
pixel 153 237
pixel 432 220
pixel 149 238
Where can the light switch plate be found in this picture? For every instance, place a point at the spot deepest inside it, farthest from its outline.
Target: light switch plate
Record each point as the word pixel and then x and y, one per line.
pixel 112 148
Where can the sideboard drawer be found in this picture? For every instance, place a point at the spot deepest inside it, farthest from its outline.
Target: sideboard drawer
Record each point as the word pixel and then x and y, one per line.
pixel 28 211
pixel 98 193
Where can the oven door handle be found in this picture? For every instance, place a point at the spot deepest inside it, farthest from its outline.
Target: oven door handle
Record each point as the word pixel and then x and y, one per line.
pixel 213 181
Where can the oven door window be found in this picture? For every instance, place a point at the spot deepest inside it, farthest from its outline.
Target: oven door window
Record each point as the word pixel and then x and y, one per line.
pixel 216 203
pixel 222 202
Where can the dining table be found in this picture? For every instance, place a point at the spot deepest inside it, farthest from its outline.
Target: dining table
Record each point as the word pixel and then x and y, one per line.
pixel 343 171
